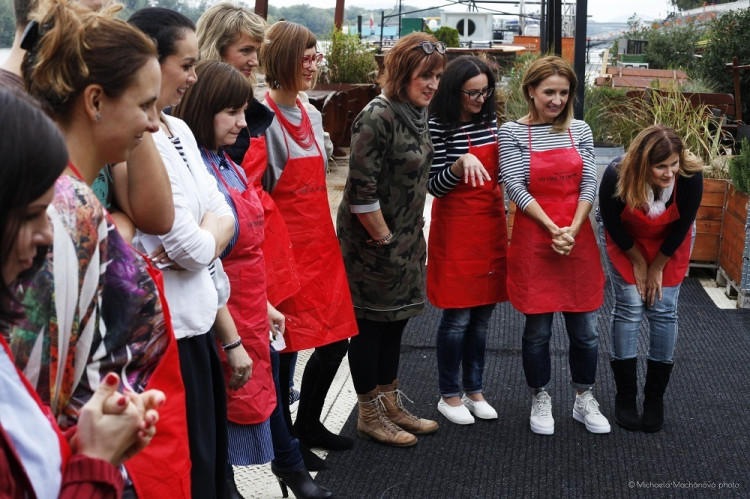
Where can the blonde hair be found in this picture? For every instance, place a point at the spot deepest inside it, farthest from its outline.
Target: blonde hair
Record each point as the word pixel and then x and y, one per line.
pixel 224 24
pixel 539 71
pixel 403 59
pixel 78 47
pixel 281 54
pixel 652 146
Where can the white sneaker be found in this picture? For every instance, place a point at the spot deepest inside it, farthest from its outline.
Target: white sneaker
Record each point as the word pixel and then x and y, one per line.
pixel 458 415
pixel 541 419
pixel 586 411
pixel 482 409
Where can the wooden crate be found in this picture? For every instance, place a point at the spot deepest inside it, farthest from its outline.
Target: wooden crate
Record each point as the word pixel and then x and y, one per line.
pixel 709 222
pixel 733 233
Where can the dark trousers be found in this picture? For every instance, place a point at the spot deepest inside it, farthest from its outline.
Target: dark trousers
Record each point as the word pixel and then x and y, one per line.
pixel 206 403
pixel 374 354
pixel 286 452
pixel 319 371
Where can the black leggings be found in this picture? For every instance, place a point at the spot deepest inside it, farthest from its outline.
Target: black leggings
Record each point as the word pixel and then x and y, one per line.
pixel 374 354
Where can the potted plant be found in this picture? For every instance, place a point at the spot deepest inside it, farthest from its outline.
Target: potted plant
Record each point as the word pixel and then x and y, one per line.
pixel 734 253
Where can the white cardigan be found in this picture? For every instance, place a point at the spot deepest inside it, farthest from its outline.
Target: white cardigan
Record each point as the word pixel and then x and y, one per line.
pixel 191 294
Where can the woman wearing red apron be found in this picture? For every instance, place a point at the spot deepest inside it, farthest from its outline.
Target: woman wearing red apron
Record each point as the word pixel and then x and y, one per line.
pixel 35 459
pixel 648 201
pixel 320 315
pixel 91 318
pixel 466 269
pixel 548 168
pixel 214 108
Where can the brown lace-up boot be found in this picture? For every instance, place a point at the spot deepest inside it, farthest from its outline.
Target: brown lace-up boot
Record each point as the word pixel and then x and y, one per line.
pixel 396 412
pixel 373 424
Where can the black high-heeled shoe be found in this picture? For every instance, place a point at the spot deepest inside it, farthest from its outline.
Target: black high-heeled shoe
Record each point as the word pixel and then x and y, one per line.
pixel 301 483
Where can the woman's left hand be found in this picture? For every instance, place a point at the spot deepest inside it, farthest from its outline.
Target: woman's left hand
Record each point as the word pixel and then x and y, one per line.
pixel 241 365
pixel 276 320
pixel 653 284
pixel 160 257
pixel 564 241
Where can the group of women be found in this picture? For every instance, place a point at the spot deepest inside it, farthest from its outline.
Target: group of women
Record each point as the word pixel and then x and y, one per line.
pixel 422 134
pixel 227 196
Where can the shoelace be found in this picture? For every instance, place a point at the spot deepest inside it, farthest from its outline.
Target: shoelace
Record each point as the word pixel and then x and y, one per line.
pixel 542 409
pixel 400 404
pixel 591 406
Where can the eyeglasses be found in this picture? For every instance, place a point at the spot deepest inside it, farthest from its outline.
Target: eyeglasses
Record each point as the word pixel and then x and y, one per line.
pixel 309 59
pixel 430 47
pixel 474 94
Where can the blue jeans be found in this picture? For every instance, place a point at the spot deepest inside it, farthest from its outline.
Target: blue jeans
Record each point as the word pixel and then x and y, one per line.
pixel 582 354
pixel 462 340
pixel 287 456
pixel 628 313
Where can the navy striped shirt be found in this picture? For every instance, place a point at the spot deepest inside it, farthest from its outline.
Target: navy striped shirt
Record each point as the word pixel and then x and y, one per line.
pixel 230 177
pixel 451 143
pixel 514 156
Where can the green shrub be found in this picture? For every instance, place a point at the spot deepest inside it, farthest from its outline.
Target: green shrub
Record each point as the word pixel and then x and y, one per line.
pixel 599 105
pixel 447 35
pixel 515 104
pixel 348 60
pixel 739 167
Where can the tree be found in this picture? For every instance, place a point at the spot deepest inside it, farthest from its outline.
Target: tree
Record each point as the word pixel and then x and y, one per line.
pixel 727 37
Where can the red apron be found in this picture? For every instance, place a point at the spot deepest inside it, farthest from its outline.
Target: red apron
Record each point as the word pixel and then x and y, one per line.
pixel 244 265
pixel 282 280
pixel 65 451
pixel 322 312
pixel 540 280
pixel 162 469
pixel 466 263
pixel 648 236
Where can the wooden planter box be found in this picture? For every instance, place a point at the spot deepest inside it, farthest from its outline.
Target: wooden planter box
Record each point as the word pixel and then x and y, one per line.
pixel 734 254
pixel 708 224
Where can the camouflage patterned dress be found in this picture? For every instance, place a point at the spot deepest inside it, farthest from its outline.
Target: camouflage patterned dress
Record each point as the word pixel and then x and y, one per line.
pixel 389 166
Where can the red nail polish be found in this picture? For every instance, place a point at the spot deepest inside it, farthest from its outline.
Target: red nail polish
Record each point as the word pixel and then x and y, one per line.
pixel 111 379
pixel 122 401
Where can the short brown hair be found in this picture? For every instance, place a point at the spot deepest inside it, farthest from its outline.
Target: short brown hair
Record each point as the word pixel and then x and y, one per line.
pixel 541 70
pixel 82 48
pixel 652 146
pixel 403 59
pixel 219 86
pixel 281 54
pixel 22 10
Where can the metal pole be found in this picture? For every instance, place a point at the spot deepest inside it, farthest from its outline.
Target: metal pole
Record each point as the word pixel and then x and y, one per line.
pixel 382 22
pixel 359 26
pixel 557 17
pixel 543 38
pixel 399 18
pixel 579 59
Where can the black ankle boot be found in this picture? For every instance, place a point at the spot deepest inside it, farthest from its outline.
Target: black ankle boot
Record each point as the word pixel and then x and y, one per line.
pixel 300 482
pixel 626 405
pixel 657 378
pixel 231 491
pixel 316 380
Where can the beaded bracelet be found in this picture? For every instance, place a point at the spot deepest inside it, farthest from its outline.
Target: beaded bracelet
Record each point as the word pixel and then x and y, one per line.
pixel 232 345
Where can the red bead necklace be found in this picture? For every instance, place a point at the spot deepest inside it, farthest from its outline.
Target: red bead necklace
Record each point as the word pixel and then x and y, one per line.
pixel 303 133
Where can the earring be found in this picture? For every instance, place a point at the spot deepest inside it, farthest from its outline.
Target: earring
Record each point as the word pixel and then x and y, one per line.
pixel 97 117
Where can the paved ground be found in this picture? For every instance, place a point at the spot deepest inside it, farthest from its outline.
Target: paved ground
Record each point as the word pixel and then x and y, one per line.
pixel 431 477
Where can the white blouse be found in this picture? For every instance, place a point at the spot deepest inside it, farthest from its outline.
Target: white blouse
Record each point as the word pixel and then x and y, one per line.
pixel 191 294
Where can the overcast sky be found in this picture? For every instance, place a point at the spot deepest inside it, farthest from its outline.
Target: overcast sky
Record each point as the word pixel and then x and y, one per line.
pixel 599 10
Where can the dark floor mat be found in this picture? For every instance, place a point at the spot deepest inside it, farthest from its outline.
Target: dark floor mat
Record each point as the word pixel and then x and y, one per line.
pixel 703 446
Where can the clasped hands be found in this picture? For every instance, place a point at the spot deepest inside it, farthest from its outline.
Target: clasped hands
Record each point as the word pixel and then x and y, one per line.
pixel 563 239
pixel 115 426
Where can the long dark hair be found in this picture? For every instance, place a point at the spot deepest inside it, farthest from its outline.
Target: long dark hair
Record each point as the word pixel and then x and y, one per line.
pixel 165 27
pixel 446 105
pixel 28 172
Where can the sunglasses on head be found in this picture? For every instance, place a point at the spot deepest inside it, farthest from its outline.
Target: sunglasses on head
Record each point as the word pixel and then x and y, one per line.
pixel 430 47
pixel 474 94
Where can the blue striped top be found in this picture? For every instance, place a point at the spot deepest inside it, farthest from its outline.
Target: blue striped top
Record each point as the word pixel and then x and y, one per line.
pixel 231 178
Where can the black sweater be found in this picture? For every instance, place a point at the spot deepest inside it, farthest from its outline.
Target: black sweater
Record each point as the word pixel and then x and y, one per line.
pixel 689 194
